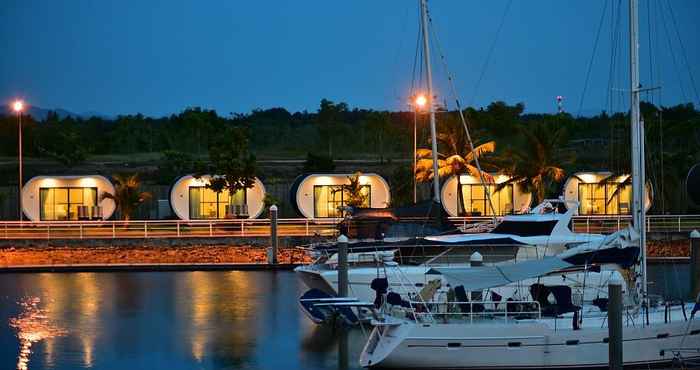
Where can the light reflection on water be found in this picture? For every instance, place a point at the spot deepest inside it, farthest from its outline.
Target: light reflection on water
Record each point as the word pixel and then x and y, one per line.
pixel 164 320
pixel 32 325
pixel 178 320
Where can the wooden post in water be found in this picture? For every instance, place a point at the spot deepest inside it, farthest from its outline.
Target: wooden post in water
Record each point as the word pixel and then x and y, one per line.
pixel 615 324
pixel 342 266
pixel 272 254
pixel 694 263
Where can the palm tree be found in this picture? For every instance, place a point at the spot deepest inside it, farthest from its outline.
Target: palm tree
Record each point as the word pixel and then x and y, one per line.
pixel 538 162
pixel 355 191
pixel 127 196
pixel 454 164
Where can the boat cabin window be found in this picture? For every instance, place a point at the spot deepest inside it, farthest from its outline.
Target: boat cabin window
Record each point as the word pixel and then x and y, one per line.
pixel 61 204
pixel 205 203
pixel 475 202
pixel 525 228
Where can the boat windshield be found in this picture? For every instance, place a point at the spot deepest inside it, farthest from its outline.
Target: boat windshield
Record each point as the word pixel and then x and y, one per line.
pixel 525 228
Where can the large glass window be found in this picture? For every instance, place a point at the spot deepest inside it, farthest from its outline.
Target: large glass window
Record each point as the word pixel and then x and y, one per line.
pixel 60 204
pixel 604 199
pixel 207 204
pixel 330 199
pixel 475 202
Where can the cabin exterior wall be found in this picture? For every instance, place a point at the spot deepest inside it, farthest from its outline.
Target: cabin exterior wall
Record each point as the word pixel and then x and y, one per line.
pixel 319 195
pixel 476 203
pixel 64 196
pixel 598 196
pixel 210 205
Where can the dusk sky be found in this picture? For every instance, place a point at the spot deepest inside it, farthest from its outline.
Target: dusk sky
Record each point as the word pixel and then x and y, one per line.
pixel 159 57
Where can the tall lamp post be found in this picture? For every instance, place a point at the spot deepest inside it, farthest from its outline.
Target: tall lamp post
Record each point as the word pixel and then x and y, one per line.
pixel 418 103
pixel 18 107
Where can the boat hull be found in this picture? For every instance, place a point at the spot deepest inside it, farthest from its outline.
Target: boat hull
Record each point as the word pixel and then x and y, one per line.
pixel 521 346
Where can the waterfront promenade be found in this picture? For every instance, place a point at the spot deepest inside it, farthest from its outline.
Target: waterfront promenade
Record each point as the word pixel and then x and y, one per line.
pixel 327 227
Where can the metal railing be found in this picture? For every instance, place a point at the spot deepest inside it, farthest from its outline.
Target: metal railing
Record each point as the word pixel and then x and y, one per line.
pixel 477 309
pixel 610 224
pixel 143 229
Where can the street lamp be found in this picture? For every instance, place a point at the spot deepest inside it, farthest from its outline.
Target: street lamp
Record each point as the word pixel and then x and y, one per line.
pixel 18 107
pixel 418 102
pixel 421 101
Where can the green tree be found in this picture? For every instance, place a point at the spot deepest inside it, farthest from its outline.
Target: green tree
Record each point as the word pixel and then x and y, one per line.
pixel 379 126
pixel 127 195
pixel 318 164
pixel 329 119
pixel 536 164
pixel 232 164
pixel 356 197
pixel 174 163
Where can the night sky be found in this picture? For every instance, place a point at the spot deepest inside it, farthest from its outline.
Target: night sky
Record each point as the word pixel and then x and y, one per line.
pixel 158 57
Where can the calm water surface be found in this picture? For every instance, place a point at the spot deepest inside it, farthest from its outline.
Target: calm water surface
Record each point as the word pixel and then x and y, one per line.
pixel 180 320
pixel 163 320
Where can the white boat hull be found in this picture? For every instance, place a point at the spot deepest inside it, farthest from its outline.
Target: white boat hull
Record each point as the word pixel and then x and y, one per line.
pixel 523 345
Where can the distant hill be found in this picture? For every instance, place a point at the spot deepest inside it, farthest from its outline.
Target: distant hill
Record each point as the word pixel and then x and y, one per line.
pixel 39 113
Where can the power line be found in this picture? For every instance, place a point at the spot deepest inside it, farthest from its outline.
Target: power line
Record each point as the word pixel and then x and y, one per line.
pixel 590 63
pixel 685 55
pixel 490 52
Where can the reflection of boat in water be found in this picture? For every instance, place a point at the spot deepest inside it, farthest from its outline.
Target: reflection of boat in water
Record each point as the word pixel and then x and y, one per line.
pixel 542 232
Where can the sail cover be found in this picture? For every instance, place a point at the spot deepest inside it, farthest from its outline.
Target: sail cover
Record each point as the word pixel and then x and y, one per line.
pixel 484 277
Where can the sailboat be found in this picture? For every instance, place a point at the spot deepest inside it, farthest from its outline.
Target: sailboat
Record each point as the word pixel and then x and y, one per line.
pixel 549 333
pixel 543 231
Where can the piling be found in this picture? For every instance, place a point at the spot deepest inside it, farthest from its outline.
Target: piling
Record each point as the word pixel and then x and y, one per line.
pixel 342 266
pixel 694 264
pixel 274 240
pixel 615 324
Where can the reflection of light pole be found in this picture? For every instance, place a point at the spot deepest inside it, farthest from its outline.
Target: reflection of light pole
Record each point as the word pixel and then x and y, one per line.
pixel 18 106
pixel 418 104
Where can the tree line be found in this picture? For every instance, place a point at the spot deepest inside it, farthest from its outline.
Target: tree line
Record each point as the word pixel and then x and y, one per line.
pixel 537 149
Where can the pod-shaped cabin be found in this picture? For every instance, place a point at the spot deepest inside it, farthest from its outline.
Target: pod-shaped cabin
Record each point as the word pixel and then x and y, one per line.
pixel 326 195
pixel 67 198
pixel 190 199
pixel 473 200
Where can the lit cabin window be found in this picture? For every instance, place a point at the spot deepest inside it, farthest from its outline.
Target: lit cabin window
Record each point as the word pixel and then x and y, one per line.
pixel 61 204
pixel 330 199
pixel 207 204
pixel 475 202
pixel 604 199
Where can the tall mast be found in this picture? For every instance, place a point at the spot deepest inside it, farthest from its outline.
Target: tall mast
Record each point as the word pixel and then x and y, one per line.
pixel 637 136
pixel 431 106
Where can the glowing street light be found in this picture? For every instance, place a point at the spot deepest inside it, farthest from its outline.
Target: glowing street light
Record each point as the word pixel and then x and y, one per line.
pixel 421 101
pixel 18 107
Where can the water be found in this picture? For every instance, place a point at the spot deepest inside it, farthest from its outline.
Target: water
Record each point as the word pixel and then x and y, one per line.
pixel 180 320
pixel 163 320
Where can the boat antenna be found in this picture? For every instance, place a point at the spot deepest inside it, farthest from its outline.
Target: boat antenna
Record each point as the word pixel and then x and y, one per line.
pixel 431 106
pixel 637 141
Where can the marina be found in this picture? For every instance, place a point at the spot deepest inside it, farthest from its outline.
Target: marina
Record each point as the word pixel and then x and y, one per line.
pixel 181 320
pixel 442 225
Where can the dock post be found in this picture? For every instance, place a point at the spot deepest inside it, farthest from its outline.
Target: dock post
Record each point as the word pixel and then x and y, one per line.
pixel 342 266
pixel 615 324
pixel 694 263
pixel 272 252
